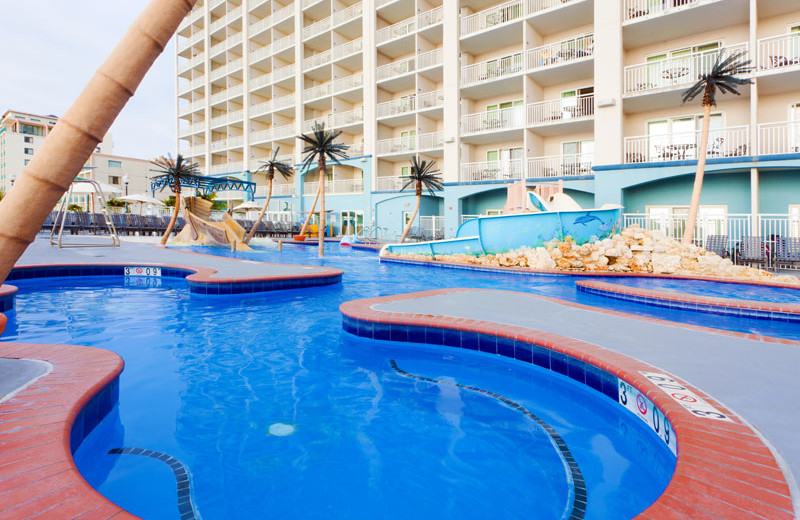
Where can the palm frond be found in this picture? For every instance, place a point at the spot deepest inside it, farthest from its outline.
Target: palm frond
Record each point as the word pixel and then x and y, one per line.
pixel 272 165
pixel 176 170
pixel 723 76
pixel 321 144
pixel 423 175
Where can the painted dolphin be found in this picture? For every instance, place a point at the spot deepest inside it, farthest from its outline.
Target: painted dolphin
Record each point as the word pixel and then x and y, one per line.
pixel 585 219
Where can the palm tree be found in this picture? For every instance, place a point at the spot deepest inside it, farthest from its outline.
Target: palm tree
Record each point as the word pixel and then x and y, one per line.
pixel 722 77
pixel 67 148
pixel 320 147
pixel 176 171
pixel 422 176
pixel 270 166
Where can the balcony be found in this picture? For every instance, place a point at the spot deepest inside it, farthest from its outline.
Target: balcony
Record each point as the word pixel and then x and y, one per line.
pixel 409 144
pixel 231 167
pixel 260 81
pixel 317 60
pixel 318 91
pixel 397 107
pixel 261 136
pixel 549 62
pixel 192 129
pixel 189 86
pixel 283 43
pixel 351 47
pixel 395 69
pixel 282 14
pixel 491 70
pixel 349 13
pixel 560 166
pixel 192 63
pixel 637 10
pixel 317 28
pixel 336 120
pixel 283 132
pixel 260 109
pixel 282 73
pixel 492 171
pixel 396 30
pixel 260 25
pixel 287 101
pixel 722 142
pixel 231 67
pixel 335 187
pixel 225 20
pixel 195 15
pixel 779 63
pixel 512 118
pixel 429 59
pixel 492 17
pixel 194 151
pixel 355 150
pixel 504 14
pixel 779 138
pixel 562 115
pixel 348 83
pixel 227 119
pixel 393 183
pixel 278 190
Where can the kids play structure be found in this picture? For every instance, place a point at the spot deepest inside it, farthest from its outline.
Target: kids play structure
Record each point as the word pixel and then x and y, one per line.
pixel 530 218
pixel 200 230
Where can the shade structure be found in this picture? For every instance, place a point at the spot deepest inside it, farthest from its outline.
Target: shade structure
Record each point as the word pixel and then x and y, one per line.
pixel 142 198
pixel 247 206
pixel 89 188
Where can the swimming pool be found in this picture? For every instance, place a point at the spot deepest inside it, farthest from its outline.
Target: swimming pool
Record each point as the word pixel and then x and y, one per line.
pixel 207 377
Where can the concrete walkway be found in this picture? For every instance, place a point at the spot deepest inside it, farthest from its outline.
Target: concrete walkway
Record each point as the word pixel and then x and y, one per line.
pixel 756 379
pixel 16 373
pixel 41 252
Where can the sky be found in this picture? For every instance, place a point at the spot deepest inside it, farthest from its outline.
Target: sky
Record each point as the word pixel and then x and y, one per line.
pixel 49 49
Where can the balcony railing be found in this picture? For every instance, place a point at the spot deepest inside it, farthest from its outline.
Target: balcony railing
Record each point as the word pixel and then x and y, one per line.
pixel 389 183
pixel 260 109
pixel 493 121
pixel 317 28
pixel 225 20
pixel 403 144
pixel 194 151
pixel 778 138
pixel 492 170
pixel 225 95
pixel 561 52
pixel 397 106
pixel 282 14
pixel 260 81
pixel 396 68
pixel 230 167
pixel 283 43
pixel 191 18
pixel 227 119
pixel 428 100
pixel 432 141
pixel 430 59
pixel 560 110
pixel 260 136
pixel 428 18
pixel 260 54
pixel 192 129
pixel 673 72
pixel 349 13
pixel 278 190
pixel 227 70
pixel 260 25
pixel 349 82
pixel 282 132
pixel 335 187
pixel 778 52
pixel 492 69
pixel 316 60
pixel 282 73
pixel 191 85
pixel 351 47
pixel 491 17
pixel 722 142
pixel 283 102
pixel 189 64
pixel 318 91
pixel 355 149
pixel 559 166
pixel 636 9
pixel 349 117
pixel 396 30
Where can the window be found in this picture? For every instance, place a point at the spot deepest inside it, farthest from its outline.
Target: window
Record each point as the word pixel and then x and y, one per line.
pixel 405 171
pixel 676 138
pixel 28 151
pixel 27 161
pixel 679 65
pixel 504 163
pixel 30 129
pixel 114 164
pixel 352 222
pixel 504 65
pixel 712 220
pixel 577 157
pixel 114 180
pixel 576 103
pixel 28 139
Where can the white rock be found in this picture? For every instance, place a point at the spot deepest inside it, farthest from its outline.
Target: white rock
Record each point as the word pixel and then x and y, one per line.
pixel 666 264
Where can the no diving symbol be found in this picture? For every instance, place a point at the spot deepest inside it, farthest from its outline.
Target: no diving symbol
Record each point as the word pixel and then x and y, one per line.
pixel 685 398
pixel 641 404
pixel 138 270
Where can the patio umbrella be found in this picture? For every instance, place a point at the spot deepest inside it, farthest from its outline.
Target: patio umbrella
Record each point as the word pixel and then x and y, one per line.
pixel 247 206
pixel 141 199
pixel 88 188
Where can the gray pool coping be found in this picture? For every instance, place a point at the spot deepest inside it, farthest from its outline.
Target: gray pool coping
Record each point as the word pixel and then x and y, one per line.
pixel 18 373
pixel 756 379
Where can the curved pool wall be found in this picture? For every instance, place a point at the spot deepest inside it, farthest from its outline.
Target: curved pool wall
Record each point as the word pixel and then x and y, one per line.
pixel 498 234
pixel 152 357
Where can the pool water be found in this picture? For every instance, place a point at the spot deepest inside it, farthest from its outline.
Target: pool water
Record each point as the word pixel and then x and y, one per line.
pixel 208 377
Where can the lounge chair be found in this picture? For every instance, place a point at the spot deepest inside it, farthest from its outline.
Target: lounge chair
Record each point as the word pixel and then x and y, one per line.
pixel 787 250
pixel 752 250
pixel 717 244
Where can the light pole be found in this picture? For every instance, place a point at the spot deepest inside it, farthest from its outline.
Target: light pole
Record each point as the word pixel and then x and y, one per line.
pixel 126 180
pixel 13 178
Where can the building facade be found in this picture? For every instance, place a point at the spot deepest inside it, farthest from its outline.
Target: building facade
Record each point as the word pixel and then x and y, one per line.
pixel 21 135
pixel 587 92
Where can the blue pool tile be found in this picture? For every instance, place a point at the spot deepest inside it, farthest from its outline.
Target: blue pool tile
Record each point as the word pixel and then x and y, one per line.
pixel 541 357
pixel 381 331
pixel 610 385
pixel 505 347
pixel 558 363
pixel 451 338
pixel 523 352
pixel 434 336
pixel 416 334
pixel 469 340
pixel 398 333
pixel 594 378
pixel 576 369
pixel 487 343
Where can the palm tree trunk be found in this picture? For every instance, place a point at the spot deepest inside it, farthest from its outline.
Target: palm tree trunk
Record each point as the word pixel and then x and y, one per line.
pixel 413 215
pixel 694 205
pixel 322 219
pixel 262 212
pixel 51 171
pixel 310 213
pixel 175 213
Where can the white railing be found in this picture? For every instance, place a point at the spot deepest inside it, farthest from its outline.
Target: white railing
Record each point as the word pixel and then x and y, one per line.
pixel 260 54
pixel 778 52
pixel 260 81
pixel 232 117
pixel 396 30
pixel 194 128
pixel 673 72
pixel 218 48
pixel 349 117
pixel 283 43
pixel 225 20
pixel 564 51
pixel 492 69
pixel 260 136
pixel 260 25
pixel 318 91
pixel 260 109
pixel 349 13
pixel 282 73
pixel 316 28
pixel 335 187
pixel 559 110
pixel 380 3
pixel 722 142
pixel 349 82
pixel 403 144
pixel 286 158
pixel 225 95
pixel 491 17
pixel 316 60
pixel 191 63
pixel 188 86
pixel 283 101
pixel 636 9
pixel 397 106
pixel 429 18
pixel 351 47
pixel 191 18
pixel 431 227
pixel 355 149
pixel 428 100
pixel 493 121
pixel 430 59
pixel 278 190
pixel 283 14
pixel 230 167
pixel 431 141
pixel 327 120
pixel 492 171
pixel 396 68
pixel 194 151
pixel 231 67
pixel 779 138
pixel 389 183
pixel 745 238
pixel 282 132
pixel 559 166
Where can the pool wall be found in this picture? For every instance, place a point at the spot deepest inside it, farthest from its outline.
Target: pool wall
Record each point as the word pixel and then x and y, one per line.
pixel 715 458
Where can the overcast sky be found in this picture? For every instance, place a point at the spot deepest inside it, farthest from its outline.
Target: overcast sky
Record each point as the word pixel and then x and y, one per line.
pixel 50 48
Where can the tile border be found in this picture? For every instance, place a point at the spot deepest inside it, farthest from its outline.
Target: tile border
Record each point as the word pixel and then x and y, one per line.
pixel 714 305
pixel 43 424
pixel 723 469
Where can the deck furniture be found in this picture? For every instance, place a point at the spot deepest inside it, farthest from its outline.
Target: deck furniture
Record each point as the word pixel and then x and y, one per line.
pixel 752 250
pixel 787 250
pixel 717 244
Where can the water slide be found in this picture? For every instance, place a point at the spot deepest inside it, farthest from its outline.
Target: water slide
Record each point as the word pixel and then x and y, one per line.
pixel 200 230
pixel 537 222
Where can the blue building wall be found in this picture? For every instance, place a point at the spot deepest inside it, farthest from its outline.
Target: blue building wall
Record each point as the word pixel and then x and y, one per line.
pixel 778 189
pixel 731 189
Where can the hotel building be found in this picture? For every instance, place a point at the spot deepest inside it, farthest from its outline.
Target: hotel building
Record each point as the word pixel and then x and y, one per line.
pixel 587 92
